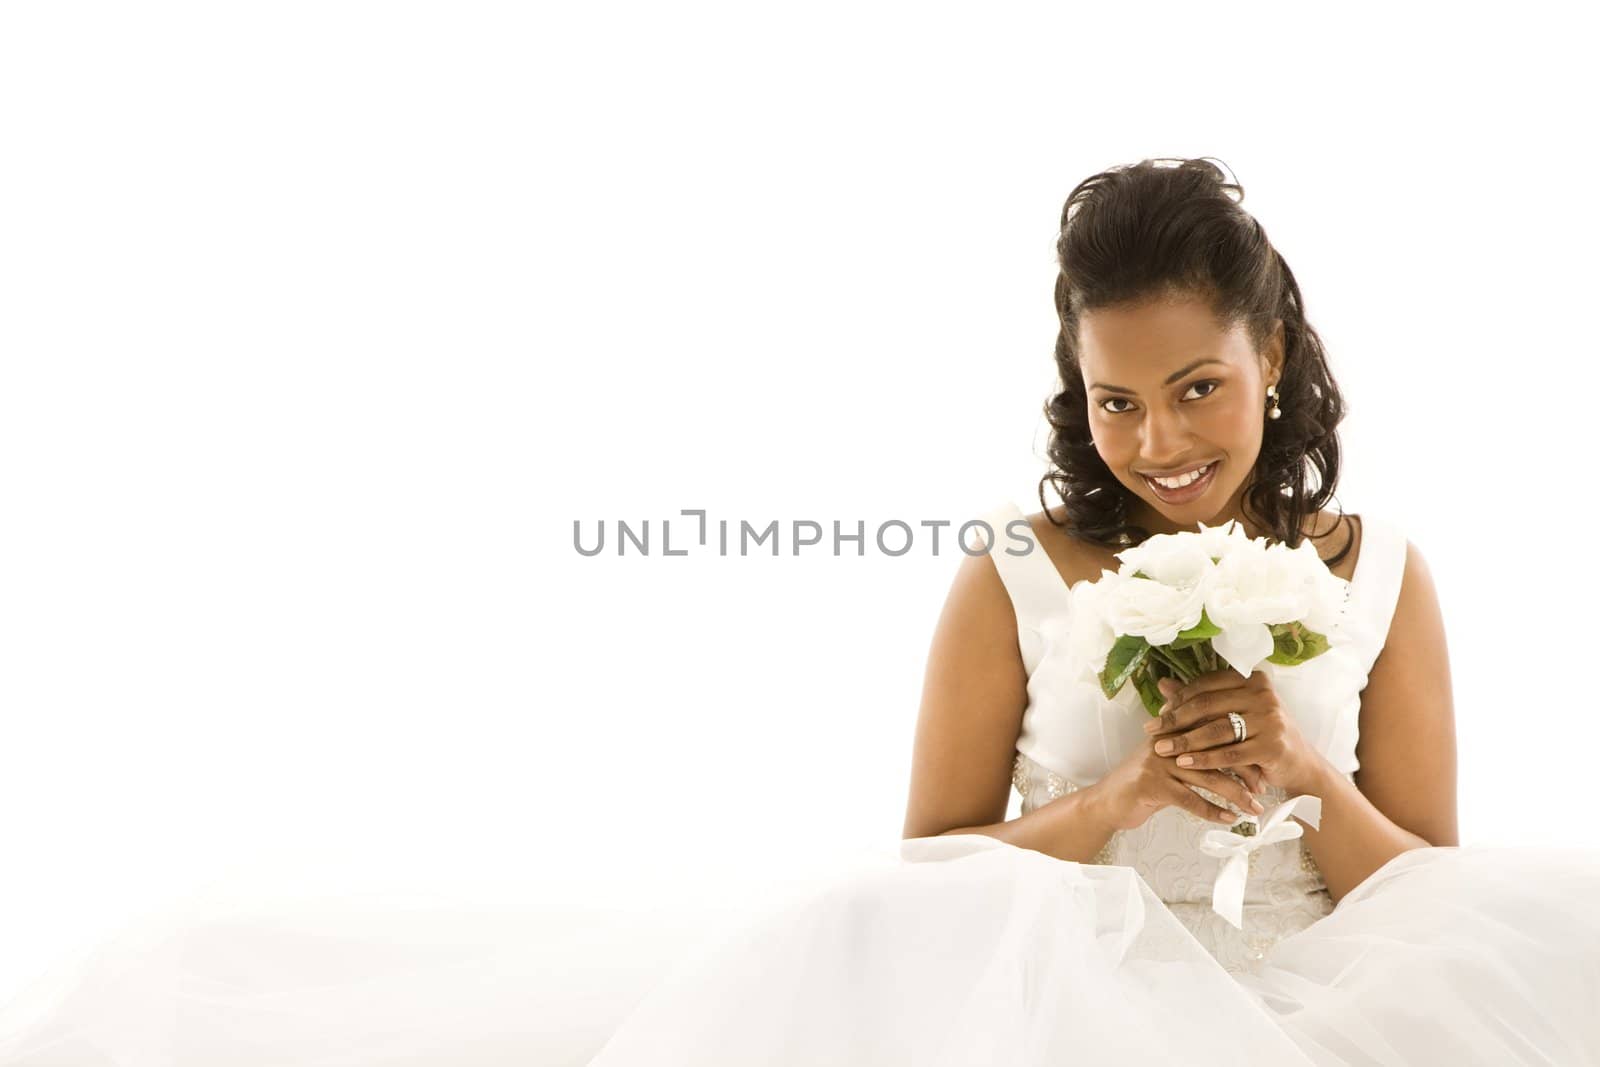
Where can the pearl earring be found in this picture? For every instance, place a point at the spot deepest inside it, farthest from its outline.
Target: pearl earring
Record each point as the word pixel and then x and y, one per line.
pixel 1272 394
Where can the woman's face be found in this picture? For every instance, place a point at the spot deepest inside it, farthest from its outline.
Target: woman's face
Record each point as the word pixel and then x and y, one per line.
pixel 1169 391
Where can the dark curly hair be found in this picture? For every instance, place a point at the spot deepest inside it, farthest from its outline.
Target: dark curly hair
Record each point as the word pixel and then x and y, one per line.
pixel 1151 230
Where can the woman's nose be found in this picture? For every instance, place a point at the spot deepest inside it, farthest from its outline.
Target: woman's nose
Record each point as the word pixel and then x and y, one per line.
pixel 1165 439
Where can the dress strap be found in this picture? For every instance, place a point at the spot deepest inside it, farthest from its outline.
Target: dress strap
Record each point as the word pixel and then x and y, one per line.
pixel 1375 585
pixel 1036 588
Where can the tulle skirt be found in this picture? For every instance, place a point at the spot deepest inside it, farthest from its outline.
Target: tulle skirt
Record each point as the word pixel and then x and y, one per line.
pixel 976 952
pixel 964 950
pixel 337 975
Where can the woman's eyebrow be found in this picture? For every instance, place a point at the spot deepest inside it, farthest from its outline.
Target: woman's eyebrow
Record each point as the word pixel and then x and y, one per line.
pixel 1174 376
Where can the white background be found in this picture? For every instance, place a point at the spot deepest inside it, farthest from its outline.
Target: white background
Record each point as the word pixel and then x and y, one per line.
pixel 324 323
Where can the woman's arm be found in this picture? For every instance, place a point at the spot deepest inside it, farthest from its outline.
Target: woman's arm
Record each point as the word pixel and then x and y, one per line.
pixel 974 694
pixel 1404 795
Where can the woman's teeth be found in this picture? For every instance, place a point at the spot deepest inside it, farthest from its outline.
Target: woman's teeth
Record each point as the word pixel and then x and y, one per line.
pixel 1182 480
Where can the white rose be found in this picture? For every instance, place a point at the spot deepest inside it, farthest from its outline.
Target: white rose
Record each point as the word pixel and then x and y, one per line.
pixel 1326 590
pixel 1154 610
pixel 1268 584
pixel 1174 558
pixel 1224 539
pixel 1083 629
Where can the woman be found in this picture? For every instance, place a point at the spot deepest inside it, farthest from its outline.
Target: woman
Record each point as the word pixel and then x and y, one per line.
pixel 1094 925
pixel 1092 928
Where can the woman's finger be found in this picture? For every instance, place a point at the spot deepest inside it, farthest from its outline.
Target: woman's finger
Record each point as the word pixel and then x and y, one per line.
pixel 1210 733
pixel 1253 776
pixel 1230 756
pixel 1224 785
pixel 1213 704
pixel 1196 804
pixel 1210 681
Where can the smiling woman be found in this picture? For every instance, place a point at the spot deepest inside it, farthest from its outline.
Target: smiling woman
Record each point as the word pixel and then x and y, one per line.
pixel 1292 894
pixel 1169 350
pixel 1103 923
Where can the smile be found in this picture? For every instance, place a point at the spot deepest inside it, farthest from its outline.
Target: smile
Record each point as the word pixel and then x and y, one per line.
pixel 1184 488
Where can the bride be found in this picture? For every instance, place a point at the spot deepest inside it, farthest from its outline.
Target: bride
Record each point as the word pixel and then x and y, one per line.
pixel 1267 873
pixel 1097 923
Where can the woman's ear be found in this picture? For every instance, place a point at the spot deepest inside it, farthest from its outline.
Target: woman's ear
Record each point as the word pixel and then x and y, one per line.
pixel 1272 358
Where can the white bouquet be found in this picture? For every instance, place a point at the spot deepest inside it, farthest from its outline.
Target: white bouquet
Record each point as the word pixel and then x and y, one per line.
pixel 1187 603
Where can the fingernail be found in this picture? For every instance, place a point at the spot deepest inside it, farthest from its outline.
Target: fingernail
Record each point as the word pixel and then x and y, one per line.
pixel 1163 747
pixel 1152 726
pixel 1256 804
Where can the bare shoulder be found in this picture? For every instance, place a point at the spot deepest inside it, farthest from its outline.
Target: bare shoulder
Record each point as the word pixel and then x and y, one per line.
pixel 973 698
pixel 978 604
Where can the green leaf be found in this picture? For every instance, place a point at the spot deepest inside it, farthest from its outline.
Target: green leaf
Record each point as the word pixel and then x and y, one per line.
pixel 1149 692
pixel 1293 644
pixel 1201 630
pixel 1124 658
pixel 1291 630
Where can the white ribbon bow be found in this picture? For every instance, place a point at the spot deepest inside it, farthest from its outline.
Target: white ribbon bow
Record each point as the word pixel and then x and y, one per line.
pixel 1227 896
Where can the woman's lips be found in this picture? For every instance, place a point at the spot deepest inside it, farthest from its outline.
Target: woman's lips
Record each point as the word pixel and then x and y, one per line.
pixel 1188 492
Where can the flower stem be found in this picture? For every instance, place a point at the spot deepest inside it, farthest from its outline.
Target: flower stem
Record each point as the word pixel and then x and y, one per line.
pixel 1171 659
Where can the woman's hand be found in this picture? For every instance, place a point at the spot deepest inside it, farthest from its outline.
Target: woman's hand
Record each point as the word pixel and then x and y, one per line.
pixel 1144 783
pixel 1195 728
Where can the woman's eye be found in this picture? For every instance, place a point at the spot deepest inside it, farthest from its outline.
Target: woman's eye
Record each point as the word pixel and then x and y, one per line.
pixel 1213 383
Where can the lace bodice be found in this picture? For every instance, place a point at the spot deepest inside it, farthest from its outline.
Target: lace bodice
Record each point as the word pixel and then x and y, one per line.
pixel 1072 736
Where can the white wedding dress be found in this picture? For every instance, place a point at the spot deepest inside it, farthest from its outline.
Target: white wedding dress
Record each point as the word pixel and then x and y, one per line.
pixel 958 950
pixel 974 951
